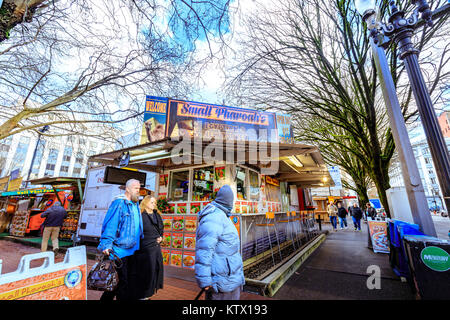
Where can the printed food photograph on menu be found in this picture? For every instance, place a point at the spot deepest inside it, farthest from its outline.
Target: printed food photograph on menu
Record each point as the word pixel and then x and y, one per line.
pixel 167 222
pixel 177 240
pixel 189 241
pixel 166 256
pixel 188 259
pixel 176 258
pixel 166 241
pixel 190 224
pixel 178 224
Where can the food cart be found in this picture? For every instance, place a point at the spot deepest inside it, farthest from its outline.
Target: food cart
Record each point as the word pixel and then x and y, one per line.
pixel 273 210
pixel 68 191
pixel 24 207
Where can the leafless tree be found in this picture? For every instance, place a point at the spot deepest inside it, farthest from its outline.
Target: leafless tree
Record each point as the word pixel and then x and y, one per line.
pixel 85 66
pixel 311 59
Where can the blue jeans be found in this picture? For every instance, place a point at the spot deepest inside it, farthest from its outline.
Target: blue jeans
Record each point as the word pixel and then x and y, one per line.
pixel 333 221
pixel 357 223
pixel 343 221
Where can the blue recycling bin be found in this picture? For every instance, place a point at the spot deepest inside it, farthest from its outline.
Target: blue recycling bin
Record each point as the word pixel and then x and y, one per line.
pixel 397 256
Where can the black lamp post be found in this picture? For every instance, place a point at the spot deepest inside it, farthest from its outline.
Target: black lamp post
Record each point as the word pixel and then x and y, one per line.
pixel 400 30
pixel 40 132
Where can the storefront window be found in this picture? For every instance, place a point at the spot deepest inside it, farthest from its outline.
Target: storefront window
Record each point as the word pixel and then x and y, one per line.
pixel 254 185
pixel 179 185
pixel 240 183
pixel 203 184
pixel 272 189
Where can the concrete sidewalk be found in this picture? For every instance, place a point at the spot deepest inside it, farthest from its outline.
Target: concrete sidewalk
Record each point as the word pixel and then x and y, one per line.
pixel 338 270
pixel 177 285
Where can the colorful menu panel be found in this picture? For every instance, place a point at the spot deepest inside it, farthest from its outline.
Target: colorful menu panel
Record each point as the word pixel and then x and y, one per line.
pixel 182 208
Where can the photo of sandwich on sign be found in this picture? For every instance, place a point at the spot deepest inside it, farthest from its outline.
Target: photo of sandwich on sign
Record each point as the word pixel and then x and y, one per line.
pixel 155 130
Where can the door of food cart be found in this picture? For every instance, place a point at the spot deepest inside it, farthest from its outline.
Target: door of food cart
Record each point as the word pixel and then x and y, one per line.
pixel 65 280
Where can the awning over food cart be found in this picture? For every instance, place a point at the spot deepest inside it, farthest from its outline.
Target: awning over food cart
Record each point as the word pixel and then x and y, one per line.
pixel 61 183
pixel 298 164
pixel 27 192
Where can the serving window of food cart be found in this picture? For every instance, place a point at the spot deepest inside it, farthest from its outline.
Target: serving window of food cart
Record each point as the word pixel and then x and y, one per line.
pixel 254 185
pixel 241 183
pixel 272 189
pixel 203 184
pixel 179 185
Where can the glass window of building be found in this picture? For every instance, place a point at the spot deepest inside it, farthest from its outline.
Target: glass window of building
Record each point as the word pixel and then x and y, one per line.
pixel 254 185
pixel 21 153
pixel 203 184
pixel 67 154
pixel 39 155
pixel 241 183
pixel 179 186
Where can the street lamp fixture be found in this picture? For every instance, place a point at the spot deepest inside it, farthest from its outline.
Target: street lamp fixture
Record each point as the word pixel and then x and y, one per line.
pixel 400 30
pixel 40 132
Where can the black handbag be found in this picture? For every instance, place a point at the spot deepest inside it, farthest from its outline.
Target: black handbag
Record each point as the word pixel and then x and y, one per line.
pixel 103 275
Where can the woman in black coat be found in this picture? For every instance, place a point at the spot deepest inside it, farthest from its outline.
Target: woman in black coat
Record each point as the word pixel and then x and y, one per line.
pixel 148 270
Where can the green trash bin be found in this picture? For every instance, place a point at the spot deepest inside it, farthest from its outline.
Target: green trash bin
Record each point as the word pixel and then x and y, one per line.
pixel 429 264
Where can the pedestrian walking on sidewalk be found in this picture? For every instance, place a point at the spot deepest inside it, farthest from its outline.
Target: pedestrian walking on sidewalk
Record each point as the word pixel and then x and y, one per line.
pixel 370 211
pixel 218 263
pixel 332 212
pixel 342 214
pixel 356 214
pixel 147 271
pixel 55 216
pixel 121 232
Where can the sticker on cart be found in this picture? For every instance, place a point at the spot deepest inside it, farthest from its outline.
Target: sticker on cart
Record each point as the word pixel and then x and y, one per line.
pixel 52 281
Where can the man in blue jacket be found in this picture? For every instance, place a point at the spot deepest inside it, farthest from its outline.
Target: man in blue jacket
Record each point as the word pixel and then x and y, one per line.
pixel 55 216
pixel 218 263
pixel 122 230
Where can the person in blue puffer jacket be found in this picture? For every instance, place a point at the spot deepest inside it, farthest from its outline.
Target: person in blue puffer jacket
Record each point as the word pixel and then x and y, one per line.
pixel 122 230
pixel 218 263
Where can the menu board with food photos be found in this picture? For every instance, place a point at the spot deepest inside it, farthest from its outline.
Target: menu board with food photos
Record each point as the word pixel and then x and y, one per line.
pixel 20 220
